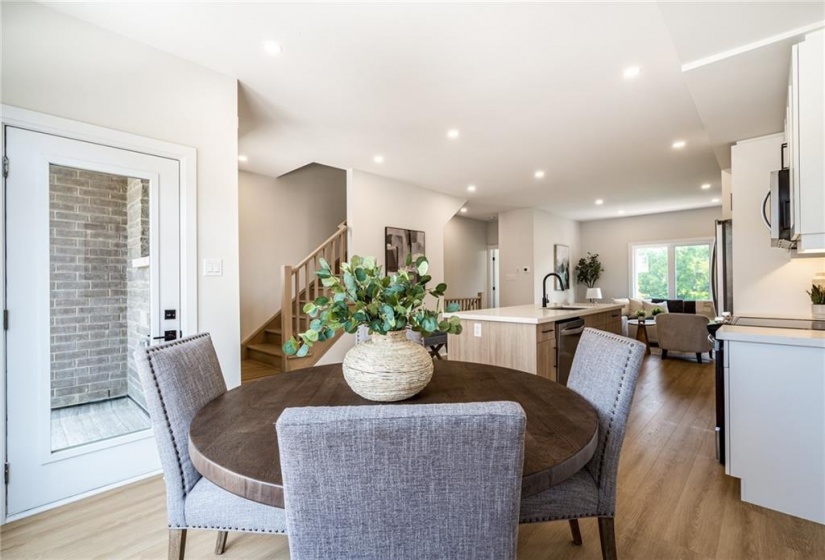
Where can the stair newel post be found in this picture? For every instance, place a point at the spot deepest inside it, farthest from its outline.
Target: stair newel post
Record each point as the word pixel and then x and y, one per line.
pixel 286 308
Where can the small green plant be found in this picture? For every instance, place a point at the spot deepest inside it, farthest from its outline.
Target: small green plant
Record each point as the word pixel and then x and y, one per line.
pixel 589 270
pixel 640 314
pixel 656 310
pixel 817 294
pixel 361 295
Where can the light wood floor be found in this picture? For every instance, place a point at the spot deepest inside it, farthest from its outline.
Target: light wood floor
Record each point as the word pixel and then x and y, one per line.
pixel 674 500
pixel 252 370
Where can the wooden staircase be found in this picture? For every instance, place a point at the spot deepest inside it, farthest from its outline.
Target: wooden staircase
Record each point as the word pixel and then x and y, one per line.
pixel 300 285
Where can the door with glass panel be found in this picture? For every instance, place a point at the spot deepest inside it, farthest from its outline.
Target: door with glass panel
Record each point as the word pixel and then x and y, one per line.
pixel 93 273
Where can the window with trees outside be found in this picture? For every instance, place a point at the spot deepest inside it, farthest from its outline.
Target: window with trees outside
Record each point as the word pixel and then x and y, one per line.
pixel 671 270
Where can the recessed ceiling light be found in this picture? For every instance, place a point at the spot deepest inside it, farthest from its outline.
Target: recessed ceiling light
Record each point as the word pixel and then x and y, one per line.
pixel 463 210
pixel 243 159
pixel 620 212
pixel 272 48
pixel 539 174
pixel 714 200
pixel 679 144
pixel 599 202
pixel 706 186
pixel 471 188
pixel 632 71
pixel 378 159
pixel 453 133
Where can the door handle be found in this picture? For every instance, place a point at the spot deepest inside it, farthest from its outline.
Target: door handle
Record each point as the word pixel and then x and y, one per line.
pixel 167 336
pixel 570 332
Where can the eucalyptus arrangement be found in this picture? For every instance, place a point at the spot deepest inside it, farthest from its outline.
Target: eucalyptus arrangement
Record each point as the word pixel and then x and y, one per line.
pixel 589 270
pixel 361 295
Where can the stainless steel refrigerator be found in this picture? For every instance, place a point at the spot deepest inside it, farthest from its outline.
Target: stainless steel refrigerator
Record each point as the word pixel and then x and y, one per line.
pixel 721 272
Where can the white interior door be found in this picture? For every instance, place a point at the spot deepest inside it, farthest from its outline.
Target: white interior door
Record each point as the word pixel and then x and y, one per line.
pixel 93 271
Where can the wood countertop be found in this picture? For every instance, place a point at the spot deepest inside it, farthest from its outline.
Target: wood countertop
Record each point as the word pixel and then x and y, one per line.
pixel 534 314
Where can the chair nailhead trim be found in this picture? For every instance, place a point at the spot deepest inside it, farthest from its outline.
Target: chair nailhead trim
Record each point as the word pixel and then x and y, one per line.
pixel 149 351
pixel 237 529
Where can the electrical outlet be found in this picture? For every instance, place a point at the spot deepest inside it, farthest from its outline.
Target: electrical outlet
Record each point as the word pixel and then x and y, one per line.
pixel 476 329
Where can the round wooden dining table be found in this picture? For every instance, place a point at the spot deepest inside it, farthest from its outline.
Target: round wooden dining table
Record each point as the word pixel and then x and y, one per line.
pixel 232 440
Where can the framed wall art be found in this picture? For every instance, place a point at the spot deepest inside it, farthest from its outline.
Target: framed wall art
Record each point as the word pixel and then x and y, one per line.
pixel 399 243
pixel 562 267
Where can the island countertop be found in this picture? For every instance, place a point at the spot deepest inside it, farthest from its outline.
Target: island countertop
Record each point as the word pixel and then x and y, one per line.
pixel 534 314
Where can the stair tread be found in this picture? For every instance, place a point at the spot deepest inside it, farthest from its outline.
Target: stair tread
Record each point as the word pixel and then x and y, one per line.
pixel 273 331
pixel 271 349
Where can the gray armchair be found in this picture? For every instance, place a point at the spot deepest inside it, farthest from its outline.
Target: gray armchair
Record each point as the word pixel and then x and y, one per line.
pixel 402 481
pixel 683 332
pixel 178 379
pixel 604 372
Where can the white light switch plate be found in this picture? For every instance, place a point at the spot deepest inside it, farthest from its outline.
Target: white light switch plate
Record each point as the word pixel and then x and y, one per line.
pixel 213 267
pixel 476 329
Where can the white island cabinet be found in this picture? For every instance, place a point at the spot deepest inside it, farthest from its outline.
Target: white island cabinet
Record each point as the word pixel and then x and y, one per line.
pixel 775 417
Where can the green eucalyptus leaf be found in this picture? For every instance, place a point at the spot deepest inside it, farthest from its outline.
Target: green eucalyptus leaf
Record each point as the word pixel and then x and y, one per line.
pixel 312 335
pixel 329 282
pixel 361 274
pixel 291 346
pixel 302 351
pixel 355 261
pixel 324 264
pixel 409 259
pixel 309 307
pixel 321 301
pixel 453 307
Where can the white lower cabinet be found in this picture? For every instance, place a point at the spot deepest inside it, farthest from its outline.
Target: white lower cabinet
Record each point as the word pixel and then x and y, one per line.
pixel 775 418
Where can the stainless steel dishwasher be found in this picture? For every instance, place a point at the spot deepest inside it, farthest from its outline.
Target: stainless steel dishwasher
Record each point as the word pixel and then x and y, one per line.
pixel 568 334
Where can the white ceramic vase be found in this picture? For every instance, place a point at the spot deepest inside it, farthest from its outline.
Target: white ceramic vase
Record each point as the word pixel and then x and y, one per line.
pixel 388 367
pixel 818 312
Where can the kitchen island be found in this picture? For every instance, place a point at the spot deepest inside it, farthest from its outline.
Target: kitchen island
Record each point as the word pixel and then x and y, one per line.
pixel 524 337
pixel 775 417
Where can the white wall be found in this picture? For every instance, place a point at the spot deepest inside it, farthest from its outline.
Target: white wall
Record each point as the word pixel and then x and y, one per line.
pixel 611 240
pixel 61 66
pixel 515 251
pixel 549 230
pixel 465 257
pixel 375 202
pixel 766 280
pixel 281 221
pixel 526 238
pixel 492 232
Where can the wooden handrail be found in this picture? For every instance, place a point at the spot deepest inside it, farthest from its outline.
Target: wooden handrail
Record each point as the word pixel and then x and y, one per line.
pixel 301 284
pixel 466 303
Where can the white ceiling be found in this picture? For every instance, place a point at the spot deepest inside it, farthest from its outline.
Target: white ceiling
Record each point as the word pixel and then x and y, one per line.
pixel 530 86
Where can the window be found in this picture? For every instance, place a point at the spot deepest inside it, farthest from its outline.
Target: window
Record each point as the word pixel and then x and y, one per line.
pixel 671 270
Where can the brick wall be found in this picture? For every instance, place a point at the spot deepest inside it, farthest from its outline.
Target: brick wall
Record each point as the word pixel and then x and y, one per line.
pixel 88 257
pixel 138 315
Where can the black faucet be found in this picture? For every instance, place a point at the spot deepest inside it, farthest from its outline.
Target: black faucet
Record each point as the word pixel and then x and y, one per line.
pixel 545 300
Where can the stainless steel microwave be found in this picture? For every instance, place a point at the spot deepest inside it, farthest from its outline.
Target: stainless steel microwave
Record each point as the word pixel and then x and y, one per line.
pixel 776 210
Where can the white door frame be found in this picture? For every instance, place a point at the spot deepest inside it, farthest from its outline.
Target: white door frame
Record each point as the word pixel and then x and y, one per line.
pixel 187 158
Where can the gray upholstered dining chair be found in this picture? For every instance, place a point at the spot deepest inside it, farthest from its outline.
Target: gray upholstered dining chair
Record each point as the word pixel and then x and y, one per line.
pixel 402 481
pixel 605 370
pixel 178 379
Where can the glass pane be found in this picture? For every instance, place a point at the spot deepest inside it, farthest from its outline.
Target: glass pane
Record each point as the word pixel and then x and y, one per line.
pixel 693 272
pixel 650 267
pixel 100 303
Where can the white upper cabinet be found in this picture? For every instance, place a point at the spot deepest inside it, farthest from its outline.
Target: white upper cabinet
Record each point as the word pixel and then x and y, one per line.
pixel 805 134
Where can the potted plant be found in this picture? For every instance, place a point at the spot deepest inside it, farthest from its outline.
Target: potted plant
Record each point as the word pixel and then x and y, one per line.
pixel 640 315
pixel 817 294
pixel 387 367
pixel 656 310
pixel 589 270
